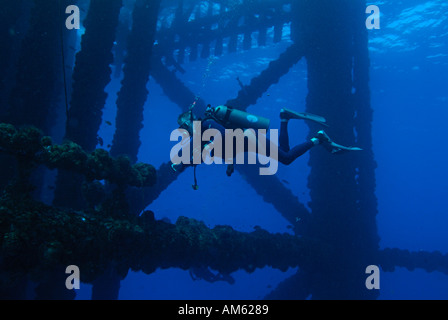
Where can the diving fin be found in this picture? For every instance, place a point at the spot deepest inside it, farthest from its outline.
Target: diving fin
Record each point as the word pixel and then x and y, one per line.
pixel 335 148
pixel 331 146
pixel 290 114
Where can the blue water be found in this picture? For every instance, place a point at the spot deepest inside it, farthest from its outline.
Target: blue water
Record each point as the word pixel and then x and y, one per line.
pixel 410 98
pixel 409 87
pixel 409 82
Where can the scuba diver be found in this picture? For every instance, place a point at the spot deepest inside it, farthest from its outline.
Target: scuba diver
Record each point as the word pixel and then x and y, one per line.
pixel 226 117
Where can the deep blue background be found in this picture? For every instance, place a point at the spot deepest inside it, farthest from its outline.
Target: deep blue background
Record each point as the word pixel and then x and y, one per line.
pixel 409 81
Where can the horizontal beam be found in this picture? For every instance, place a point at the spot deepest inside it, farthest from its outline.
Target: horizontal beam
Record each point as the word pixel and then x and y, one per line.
pixel 230 22
pixel 45 237
pixel 390 258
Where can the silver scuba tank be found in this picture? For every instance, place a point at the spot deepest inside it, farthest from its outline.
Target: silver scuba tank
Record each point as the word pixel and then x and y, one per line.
pixel 236 119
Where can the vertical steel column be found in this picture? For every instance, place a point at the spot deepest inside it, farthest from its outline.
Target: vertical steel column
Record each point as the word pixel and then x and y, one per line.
pixel 341 187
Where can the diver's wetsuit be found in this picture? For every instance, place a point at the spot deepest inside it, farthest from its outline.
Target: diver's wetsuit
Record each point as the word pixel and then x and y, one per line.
pixel 285 154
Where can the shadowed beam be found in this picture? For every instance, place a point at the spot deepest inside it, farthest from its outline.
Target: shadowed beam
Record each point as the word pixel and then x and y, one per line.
pixel 173 88
pixel 249 95
pixel 260 15
pixel 389 258
pixel 95 241
pixel 273 191
pixel 297 286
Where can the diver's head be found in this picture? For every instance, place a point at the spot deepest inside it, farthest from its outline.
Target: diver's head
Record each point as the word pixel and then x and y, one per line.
pixel 185 121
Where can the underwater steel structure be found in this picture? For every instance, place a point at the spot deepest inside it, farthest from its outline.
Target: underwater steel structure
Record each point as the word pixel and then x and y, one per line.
pixel 102 233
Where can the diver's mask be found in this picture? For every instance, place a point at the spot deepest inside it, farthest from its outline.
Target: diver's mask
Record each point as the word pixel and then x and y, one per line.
pixel 210 112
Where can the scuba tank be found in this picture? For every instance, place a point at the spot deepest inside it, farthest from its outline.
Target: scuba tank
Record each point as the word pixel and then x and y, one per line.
pixel 231 118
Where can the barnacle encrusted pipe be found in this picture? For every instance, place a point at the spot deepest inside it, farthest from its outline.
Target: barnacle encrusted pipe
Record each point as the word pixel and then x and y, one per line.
pixel 28 143
pixel 36 237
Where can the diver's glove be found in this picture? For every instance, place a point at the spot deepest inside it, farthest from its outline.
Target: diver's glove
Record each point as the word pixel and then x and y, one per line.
pixel 178 167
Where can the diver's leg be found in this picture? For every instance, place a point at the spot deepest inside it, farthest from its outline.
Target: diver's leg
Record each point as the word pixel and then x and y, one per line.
pixel 284 136
pixel 288 157
pixel 285 155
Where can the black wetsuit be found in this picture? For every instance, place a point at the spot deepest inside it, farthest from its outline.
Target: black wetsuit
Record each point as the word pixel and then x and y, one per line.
pixel 286 155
